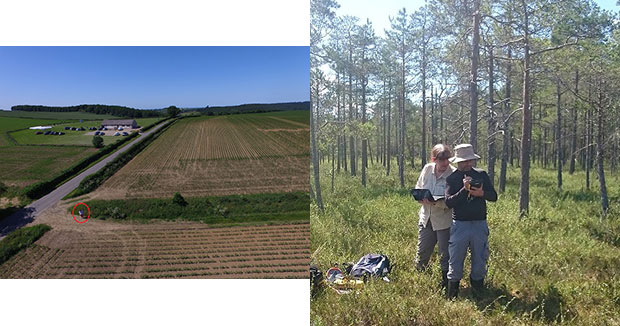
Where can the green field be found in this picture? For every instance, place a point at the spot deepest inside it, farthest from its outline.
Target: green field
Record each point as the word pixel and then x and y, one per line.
pixel 558 266
pixel 301 116
pixel 24 165
pixel 78 138
pixel 8 124
pixel 56 115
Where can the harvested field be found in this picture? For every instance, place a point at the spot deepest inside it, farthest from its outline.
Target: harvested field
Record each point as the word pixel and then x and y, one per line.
pixel 186 250
pixel 214 156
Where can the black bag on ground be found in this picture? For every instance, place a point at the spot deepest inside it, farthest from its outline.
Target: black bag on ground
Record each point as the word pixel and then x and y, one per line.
pixel 316 278
pixel 376 265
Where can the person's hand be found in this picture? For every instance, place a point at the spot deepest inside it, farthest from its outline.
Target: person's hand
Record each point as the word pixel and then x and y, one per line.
pixel 476 192
pixel 466 181
pixel 425 201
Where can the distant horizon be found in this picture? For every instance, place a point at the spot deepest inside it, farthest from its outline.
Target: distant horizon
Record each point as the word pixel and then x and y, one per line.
pixel 153 77
pixel 164 107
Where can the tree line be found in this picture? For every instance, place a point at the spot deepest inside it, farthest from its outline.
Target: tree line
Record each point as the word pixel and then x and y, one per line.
pixel 525 82
pixel 253 108
pixel 119 111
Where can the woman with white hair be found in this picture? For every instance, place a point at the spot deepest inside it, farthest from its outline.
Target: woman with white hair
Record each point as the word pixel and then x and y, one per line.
pixel 435 217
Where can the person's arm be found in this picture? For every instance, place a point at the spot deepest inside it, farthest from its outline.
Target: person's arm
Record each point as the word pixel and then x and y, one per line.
pixel 455 196
pixel 489 192
pixel 420 183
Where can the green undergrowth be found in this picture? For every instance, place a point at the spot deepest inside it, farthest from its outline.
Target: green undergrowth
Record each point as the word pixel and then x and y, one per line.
pixel 558 266
pixel 211 210
pixel 20 239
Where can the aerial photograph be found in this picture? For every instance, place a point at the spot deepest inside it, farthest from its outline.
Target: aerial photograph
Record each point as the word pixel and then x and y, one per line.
pixel 154 162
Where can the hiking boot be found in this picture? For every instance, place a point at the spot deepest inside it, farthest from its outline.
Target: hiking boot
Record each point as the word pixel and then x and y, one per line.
pixel 453 289
pixel 477 287
pixel 444 279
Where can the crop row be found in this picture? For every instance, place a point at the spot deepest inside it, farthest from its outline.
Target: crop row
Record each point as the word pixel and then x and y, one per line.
pixel 182 251
pixel 200 233
pixel 197 259
pixel 199 264
pixel 111 244
pixel 211 178
pixel 256 254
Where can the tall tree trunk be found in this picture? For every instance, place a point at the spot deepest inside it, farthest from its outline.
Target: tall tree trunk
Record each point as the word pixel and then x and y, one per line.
pixel 333 172
pixel 441 131
pixel 351 137
pixel 512 151
pixel 599 150
pixel 369 154
pixel 473 82
pixel 344 136
pixel 558 134
pixel 589 136
pixel 315 158
pixel 506 127
pixel 364 139
pixel 584 139
pixel 401 146
pixel 423 149
pixel 573 138
pixel 388 151
pixel 433 125
pixel 338 118
pixel 491 122
pixel 524 191
pixel 412 150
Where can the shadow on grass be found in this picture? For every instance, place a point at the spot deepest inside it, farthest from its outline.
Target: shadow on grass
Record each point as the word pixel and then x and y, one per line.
pixel 542 183
pixel 608 233
pixel 585 196
pixel 548 306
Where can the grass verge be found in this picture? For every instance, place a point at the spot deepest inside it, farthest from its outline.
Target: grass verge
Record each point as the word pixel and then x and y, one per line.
pixel 212 210
pixel 20 239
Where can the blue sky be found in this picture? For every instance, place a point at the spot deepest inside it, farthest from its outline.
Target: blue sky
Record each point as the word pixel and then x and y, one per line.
pixel 153 77
pixel 379 12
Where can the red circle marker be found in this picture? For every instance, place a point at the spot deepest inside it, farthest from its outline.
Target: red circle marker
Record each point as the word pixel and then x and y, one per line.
pixel 73 212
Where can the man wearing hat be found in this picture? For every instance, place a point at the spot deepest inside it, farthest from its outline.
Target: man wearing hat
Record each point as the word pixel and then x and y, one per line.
pixel 467 190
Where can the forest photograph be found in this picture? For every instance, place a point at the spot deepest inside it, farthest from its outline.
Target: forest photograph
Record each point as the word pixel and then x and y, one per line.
pixel 508 113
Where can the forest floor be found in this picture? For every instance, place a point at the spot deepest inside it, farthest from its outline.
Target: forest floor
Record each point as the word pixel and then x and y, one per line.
pixel 558 265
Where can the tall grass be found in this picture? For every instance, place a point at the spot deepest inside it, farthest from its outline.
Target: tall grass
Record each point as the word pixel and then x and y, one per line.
pixel 270 207
pixel 20 239
pixel 558 266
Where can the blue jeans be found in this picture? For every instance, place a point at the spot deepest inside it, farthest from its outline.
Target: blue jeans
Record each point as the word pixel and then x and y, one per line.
pixel 475 236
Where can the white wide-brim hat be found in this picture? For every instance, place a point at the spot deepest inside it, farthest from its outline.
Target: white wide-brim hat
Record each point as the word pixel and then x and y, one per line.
pixel 464 152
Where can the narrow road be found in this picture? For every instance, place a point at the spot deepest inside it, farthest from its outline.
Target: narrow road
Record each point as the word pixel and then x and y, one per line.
pixel 28 213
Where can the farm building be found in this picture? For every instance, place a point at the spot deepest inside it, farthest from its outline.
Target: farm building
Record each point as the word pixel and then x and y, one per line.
pixel 119 123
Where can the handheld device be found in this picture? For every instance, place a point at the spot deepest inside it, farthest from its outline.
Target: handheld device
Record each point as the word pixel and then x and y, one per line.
pixel 420 194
